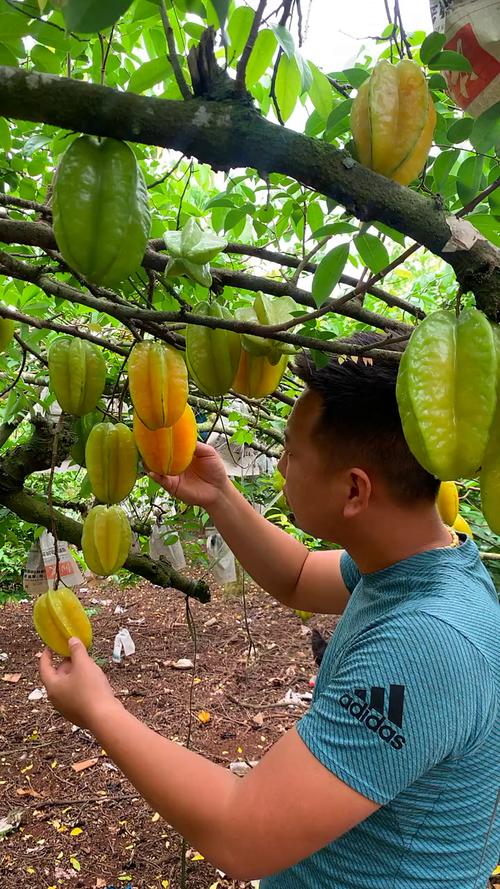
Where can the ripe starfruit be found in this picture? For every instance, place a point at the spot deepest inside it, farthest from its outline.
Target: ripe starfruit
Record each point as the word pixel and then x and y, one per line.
pixel 106 539
pixel 212 354
pixel 57 616
pixel 267 311
pixel 461 524
pixel 100 210
pixel 77 373
pixel 111 460
pixel 447 502
pixel 167 451
pixel 158 383
pixel 7 328
pixel 256 377
pixel 446 392
pixel 393 119
pixel 304 615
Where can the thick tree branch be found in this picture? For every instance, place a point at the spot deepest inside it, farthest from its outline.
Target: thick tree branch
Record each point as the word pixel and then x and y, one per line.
pixel 230 134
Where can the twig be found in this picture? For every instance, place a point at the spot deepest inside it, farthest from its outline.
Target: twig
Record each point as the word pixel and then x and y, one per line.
pixel 480 197
pixel 17 378
pixel 307 258
pixel 243 62
pixel 168 173
pixel 172 54
pixel 186 186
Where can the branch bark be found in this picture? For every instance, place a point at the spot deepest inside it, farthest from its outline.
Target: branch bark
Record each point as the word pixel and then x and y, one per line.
pixel 229 134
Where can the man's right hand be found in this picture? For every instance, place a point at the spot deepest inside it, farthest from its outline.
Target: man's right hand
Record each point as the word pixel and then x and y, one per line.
pixel 201 483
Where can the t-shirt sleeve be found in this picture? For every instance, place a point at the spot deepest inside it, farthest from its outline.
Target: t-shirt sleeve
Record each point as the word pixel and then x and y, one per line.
pixel 349 571
pixel 408 693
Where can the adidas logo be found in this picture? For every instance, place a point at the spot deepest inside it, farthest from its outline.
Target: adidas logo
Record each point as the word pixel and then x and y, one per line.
pixel 376 722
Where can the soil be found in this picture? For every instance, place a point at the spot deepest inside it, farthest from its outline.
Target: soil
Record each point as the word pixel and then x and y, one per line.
pixel 87 828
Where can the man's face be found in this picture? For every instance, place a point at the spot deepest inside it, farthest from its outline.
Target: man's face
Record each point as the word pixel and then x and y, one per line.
pixel 314 490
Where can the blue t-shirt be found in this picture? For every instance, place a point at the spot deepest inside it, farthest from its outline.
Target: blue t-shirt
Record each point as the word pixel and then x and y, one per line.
pixel 406 710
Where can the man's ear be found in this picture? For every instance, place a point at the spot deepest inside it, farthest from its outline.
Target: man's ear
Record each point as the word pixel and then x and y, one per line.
pixel 359 493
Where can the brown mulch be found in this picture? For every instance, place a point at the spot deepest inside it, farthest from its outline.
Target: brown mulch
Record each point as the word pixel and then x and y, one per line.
pixel 88 829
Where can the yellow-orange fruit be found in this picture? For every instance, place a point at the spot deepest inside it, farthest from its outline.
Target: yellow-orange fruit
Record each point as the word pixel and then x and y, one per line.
pixel 57 616
pixel 158 383
pixel 257 377
pixel 167 451
pixel 447 502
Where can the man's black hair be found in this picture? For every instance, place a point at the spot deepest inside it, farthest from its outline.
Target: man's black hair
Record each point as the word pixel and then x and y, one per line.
pixel 360 418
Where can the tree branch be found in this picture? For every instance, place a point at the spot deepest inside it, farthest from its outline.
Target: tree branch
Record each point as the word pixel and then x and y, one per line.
pixel 172 53
pixel 243 62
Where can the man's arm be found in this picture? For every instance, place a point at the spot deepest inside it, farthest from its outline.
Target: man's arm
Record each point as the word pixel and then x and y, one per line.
pixel 281 565
pixel 288 807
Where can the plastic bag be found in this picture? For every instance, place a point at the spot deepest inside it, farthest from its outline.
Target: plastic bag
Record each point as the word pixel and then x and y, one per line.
pixel 224 565
pixel 172 551
pixel 471 27
pixel 41 566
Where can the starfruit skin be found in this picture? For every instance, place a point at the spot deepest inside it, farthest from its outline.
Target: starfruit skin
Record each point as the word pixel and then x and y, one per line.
pixel 191 251
pixel 77 373
pixel 212 354
pixel 106 539
pixel 167 451
pixel 158 383
pixel 100 210
pixel 57 616
pixel 256 377
pixel 447 502
pixel 489 477
pixel 7 328
pixel 393 120
pixel 111 460
pixel 446 392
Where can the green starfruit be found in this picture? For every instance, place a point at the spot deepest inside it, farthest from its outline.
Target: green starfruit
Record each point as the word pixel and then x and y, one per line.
pixel 212 354
pixel 191 250
pixel 489 477
pixel 446 392
pixel 267 311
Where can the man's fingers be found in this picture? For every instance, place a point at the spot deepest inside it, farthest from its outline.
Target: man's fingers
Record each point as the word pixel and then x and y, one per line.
pixel 45 666
pixel 77 649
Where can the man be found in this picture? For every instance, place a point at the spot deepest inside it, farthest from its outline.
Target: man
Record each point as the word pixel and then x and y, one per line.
pixel 390 780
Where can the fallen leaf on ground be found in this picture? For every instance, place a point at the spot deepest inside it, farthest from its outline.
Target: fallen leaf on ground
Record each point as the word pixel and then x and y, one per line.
pixel 11 677
pixel 84 764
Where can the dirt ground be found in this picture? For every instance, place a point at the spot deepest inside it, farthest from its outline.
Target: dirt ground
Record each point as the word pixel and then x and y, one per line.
pixel 82 826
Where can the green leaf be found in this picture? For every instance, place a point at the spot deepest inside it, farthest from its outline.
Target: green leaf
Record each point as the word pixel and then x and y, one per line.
pixel 486 130
pixel 442 167
pixel 261 56
pixel 328 273
pixel 432 44
pixel 238 29
pixel 356 76
pixel 5 140
pixel 285 40
pixel 334 228
pixel 489 226
pixel 437 82
pixel 7 57
pixel 91 16
pixel 448 60
pixel 391 233
pixel 372 252
pixel 287 86
pixel 149 74
pixel 341 111
pixel 460 130
pixel 320 92
pixel 470 179
pixel 45 60
pixel 221 8
pixel 305 72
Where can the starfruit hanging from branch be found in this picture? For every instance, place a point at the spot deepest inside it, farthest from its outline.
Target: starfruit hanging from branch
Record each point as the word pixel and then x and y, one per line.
pixel 106 539
pixel 57 616
pixel 267 311
pixel 393 119
pixel 167 451
pixel 212 354
pixel 191 250
pixel 257 377
pixel 111 460
pixel 158 383
pixel 77 373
